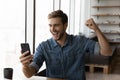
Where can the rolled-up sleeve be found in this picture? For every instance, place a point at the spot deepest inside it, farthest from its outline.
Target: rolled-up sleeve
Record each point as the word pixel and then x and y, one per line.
pixel 97 49
pixel 38 58
pixel 33 64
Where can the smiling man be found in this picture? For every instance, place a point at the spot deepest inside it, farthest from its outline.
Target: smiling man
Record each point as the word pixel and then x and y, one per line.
pixel 58 30
pixel 64 53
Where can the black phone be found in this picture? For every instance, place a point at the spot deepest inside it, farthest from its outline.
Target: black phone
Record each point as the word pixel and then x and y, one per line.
pixel 25 47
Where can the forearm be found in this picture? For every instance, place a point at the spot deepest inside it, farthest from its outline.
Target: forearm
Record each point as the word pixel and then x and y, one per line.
pixel 105 48
pixel 28 71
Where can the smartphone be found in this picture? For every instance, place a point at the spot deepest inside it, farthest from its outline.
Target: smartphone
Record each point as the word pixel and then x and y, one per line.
pixel 25 47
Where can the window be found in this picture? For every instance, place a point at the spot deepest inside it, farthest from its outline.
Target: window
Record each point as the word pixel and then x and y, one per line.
pixel 12 31
pixel 42 28
pixel 72 9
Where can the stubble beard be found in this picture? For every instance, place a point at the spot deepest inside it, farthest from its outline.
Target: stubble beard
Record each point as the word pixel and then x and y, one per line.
pixel 59 36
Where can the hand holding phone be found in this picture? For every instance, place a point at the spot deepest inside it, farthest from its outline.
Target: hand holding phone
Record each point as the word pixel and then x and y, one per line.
pixel 25 47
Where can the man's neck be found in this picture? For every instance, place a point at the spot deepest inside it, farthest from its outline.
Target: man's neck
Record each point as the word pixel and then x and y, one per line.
pixel 61 42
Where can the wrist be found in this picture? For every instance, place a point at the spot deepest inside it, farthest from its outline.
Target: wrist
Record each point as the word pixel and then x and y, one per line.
pixel 25 66
pixel 96 29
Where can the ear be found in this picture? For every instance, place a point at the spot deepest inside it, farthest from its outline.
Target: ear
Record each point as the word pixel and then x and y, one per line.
pixel 65 25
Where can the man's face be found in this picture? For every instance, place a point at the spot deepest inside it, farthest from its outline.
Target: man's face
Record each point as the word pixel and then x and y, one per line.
pixel 57 28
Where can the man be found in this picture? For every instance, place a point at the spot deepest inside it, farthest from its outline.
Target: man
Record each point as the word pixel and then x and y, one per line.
pixel 64 53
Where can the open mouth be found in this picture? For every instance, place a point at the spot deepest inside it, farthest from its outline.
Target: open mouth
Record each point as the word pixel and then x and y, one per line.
pixel 55 34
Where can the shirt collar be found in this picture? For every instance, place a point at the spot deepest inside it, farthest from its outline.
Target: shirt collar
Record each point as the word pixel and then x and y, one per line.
pixel 54 43
pixel 67 42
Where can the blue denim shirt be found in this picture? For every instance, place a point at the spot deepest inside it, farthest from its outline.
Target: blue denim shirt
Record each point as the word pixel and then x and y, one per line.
pixel 67 61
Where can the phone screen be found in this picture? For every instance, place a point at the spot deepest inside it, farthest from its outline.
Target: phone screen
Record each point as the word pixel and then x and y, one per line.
pixel 25 47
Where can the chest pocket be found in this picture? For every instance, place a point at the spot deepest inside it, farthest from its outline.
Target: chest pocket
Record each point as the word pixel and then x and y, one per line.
pixel 53 58
pixel 74 53
pixel 73 57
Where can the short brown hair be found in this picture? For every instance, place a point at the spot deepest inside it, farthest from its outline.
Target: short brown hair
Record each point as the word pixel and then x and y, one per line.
pixel 59 13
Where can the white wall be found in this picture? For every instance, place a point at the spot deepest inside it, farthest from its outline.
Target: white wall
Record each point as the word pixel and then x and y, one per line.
pixel 29 23
pixel 85 14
